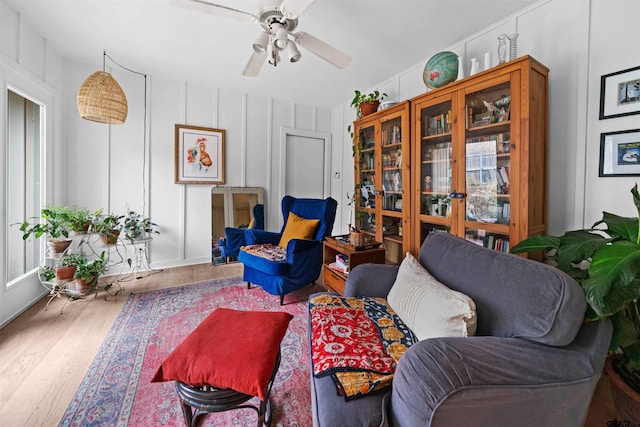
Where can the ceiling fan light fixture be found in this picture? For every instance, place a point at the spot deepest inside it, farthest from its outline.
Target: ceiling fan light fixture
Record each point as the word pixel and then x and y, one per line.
pixel 293 52
pixel 261 43
pixel 281 38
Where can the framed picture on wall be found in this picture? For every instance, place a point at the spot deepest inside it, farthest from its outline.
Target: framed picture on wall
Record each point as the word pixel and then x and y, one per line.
pixel 620 153
pixel 199 155
pixel 620 93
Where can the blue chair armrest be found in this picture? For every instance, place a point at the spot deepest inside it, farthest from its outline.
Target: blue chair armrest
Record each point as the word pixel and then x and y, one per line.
pixel 296 246
pixel 235 237
pixel 260 237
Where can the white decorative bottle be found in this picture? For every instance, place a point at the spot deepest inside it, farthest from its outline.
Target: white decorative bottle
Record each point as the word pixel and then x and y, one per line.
pixel 460 69
pixel 487 60
pixel 474 67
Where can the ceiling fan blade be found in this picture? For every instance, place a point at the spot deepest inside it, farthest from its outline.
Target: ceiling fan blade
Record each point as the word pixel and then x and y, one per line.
pixel 255 64
pixel 323 50
pixel 216 9
pixel 293 8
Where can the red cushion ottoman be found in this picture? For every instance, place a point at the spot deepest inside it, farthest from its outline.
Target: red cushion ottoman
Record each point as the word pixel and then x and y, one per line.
pixel 228 359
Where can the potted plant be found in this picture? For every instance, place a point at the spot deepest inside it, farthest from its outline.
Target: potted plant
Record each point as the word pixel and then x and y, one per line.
pixel 68 265
pixel 87 274
pixel 135 226
pixel 107 226
pixel 606 263
pixel 53 222
pixel 366 103
pixel 79 219
pixel 46 273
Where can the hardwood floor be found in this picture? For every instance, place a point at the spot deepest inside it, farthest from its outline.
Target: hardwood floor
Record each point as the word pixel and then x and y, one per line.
pixel 44 355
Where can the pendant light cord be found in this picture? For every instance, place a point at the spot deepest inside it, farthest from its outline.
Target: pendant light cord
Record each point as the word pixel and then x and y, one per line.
pixel 144 137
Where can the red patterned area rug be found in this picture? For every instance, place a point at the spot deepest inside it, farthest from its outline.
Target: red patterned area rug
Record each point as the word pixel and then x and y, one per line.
pixel 117 390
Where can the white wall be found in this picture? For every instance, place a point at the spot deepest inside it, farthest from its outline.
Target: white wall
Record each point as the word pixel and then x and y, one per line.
pixel 579 40
pixel 113 155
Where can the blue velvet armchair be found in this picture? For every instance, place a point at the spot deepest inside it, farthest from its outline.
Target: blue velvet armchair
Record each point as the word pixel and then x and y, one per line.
pixel 303 261
pixel 234 237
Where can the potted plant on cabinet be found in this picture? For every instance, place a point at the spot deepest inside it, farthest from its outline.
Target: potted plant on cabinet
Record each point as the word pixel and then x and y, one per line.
pixel 366 103
pixel 107 226
pixel 54 223
pixel 606 263
pixel 136 227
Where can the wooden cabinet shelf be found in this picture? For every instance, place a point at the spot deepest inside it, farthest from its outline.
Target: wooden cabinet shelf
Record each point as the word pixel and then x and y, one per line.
pixel 480 153
pixel 383 176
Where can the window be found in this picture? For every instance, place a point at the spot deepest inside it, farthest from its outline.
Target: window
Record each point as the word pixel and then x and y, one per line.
pixel 24 181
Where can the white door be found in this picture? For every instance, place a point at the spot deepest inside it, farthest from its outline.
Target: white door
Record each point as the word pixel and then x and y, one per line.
pixel 306 159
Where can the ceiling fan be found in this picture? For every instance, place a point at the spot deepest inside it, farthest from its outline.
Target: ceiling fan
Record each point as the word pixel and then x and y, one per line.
pixel 278 23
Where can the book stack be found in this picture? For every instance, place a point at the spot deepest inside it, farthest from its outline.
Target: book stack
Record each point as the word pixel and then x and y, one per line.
pixel 341 264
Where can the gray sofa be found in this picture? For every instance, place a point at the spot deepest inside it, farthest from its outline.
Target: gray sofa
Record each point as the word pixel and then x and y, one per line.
pixel 532 362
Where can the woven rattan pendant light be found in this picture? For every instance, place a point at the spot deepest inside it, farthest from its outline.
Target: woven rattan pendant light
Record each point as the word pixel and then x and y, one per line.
pixel 102 100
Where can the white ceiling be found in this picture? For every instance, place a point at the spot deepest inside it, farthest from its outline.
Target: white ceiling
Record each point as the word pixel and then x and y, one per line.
pixel 383 37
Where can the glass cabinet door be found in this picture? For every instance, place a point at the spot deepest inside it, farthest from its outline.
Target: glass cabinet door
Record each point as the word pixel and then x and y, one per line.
pixel 488 166
pixel 391 142
pixel 366 177
pixel 433 158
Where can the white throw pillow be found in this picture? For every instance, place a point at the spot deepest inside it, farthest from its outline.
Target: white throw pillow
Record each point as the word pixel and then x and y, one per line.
pixel 429 308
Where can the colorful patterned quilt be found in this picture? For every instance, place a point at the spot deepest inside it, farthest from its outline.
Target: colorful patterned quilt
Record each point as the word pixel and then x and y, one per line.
pixel 358 341
pixel 267 251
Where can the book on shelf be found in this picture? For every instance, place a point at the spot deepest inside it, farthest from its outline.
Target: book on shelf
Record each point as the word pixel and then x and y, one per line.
pixel 337 267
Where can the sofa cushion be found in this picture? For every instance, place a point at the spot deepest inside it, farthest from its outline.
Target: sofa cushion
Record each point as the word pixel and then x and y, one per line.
pixel 298 228
pixel 428 307
pixel 515 297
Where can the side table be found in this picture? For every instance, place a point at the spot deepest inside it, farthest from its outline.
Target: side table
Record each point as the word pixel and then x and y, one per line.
pixel 335 280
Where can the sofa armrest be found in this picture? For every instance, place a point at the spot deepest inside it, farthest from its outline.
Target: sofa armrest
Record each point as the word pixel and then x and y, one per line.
pixel 371 280
pixel 260 237
pixel 445 381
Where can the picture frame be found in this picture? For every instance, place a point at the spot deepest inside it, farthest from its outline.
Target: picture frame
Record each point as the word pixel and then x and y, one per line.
pixel 620 93
pixel 199 155
pixel 620 153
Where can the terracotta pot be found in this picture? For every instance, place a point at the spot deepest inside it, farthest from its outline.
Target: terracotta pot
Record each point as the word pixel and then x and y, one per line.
pixel 83 287
pixel 626 400
pixel 367 108
pixel 66 273
pixel 58 246
pixel 110 238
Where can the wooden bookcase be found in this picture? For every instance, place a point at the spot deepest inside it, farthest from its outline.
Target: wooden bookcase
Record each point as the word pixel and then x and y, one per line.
pixel 382 154
pixel 479 157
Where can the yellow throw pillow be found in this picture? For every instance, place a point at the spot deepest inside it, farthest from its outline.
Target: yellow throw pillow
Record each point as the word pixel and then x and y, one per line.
pixel 298 228
pixel 252 223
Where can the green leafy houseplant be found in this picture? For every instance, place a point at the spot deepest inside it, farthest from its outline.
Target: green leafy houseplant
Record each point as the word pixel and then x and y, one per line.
pixel 52 222
pixel 108 226
pixel 79 219
pixel 606 263
pixel 366 98
pixel 136 226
